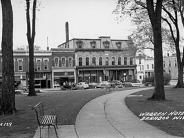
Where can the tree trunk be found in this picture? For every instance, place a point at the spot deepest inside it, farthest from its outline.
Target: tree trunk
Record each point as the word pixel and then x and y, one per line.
pixel 7 99
pixel 154 12
pixel 30 39
pixel 180 77
pixel 31 70
pixel 180 64
pixel 159 93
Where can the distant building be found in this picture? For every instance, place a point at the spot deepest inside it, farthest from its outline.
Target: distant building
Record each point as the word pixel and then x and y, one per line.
pixel 63 62
pixel 170 66
pixel 42 60
pixel 145 67
pixel 102 59
pixel 89 60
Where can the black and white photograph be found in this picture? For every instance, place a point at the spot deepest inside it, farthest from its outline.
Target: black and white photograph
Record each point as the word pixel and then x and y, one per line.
pixel 92 69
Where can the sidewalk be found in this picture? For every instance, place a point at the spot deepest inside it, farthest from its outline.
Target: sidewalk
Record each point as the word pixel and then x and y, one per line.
pixel 108 117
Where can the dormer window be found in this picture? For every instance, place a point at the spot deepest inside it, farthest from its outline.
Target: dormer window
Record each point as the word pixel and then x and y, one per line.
pixel 93 44
pixel 106 44
pixel 118 44
pixel 79 44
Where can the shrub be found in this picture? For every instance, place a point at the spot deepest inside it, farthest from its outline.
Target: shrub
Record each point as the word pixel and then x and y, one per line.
pixel 167 78
pixel 150 80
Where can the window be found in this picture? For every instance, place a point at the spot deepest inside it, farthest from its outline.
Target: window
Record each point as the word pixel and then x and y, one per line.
pixel 80 61
pixel 175 63
pixel 38 64
pixel 100 60
pixel 46 64
pixel 125 60
pixel 79 44
pixel 63 62
pixel 152 66
pixel 94 61
pixel 87 61
pixel 107 61
pixel 70 73
pixel 119 60
pixel 118 44
pixel 142 67
pixel 67 45
pixel 164 64
pixel 20 64
pixel 131 61
pixel 106 44
pixel 147 66
pixel 70 62
pixel 113 60
pixel 56 62
pixel 169 63
pixel 139 60
pixel 93 44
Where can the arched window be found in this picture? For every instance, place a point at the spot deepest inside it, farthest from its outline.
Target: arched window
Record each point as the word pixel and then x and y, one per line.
pixel 20 64
pixel 80 61
pixel 107 61
pixel 125 60
pixel 106 44
pixel 70 60
pixel 93 44
pixel 46 64
pixel 100 61
pixel 113 60
pixel 87 61
pixel 94 61
pixel 79 44
pixel 56 62
pixel 38 64
pixel 118 44
pixel 131 61
pixel 63 62
pixel 119 60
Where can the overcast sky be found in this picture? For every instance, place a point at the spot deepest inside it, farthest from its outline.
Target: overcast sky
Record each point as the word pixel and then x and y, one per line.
pixel 87 19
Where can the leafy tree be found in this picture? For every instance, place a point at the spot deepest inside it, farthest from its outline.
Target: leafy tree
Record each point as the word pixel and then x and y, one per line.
pixel 7 95
pixel 143 35
pixel 172 9
pixel 154 11
pixel 30 39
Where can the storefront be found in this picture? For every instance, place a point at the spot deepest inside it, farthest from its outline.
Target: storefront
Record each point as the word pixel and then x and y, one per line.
pixel 105 73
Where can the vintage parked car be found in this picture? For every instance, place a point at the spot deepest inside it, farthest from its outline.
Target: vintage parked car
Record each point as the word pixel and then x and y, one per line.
pixel 93 85
pixel 117 83
pixel 82 85
pixel 127 84
pixel 104 84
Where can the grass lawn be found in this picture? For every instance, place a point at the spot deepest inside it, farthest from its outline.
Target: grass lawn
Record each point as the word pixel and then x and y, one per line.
pixel 174 102
pixel 66 103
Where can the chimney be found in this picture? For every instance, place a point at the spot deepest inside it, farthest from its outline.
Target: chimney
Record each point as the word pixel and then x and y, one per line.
pixel 67 31
pixel 47 43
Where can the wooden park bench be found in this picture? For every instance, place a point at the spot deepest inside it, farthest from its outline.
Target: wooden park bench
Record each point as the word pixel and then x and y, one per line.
pixel 44 119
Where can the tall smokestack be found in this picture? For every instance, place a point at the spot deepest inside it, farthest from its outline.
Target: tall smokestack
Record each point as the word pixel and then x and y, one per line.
pixel 47 43
pixel 67 31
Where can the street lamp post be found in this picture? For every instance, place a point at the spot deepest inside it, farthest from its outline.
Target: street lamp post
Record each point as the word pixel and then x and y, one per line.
pixel 124 75
pixel 89 79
